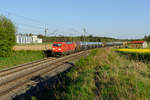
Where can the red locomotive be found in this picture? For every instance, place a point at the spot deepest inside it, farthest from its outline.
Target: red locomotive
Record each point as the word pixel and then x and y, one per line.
pixel 62 48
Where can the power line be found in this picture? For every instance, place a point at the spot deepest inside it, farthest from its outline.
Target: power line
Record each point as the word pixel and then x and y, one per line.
pixel 53 32
pixel 29 19
pixel 41 26
pixel 26 18
pixel 27 30
pixel 29 25
pixel 21 16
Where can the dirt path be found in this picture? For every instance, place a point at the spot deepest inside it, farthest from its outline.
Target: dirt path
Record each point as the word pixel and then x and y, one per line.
pixel 33 47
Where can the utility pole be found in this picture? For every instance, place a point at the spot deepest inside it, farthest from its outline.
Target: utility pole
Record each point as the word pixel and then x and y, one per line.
pixel 72 38
pixel 84 31
pixel 45 36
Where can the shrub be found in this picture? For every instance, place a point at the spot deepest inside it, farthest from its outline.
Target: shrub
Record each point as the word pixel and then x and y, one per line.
pixel 7 36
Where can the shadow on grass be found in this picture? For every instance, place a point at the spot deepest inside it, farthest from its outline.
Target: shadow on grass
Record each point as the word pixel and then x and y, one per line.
pixel 47 88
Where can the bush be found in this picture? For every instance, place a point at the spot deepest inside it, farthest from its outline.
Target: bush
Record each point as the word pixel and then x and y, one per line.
pixel 7 36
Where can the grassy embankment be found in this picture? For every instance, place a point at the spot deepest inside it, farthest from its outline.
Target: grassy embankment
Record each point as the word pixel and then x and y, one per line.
pixel 106 75
pixel 20 57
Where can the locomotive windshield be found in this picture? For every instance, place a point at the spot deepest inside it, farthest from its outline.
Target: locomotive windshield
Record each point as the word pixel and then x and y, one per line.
pixel 57 45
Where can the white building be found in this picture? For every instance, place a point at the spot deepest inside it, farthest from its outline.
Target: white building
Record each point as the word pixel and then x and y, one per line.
pixel 36 39
pixel 144 44
pixel 27 39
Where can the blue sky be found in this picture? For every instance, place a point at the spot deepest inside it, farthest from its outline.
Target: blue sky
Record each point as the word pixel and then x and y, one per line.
pixel 113 18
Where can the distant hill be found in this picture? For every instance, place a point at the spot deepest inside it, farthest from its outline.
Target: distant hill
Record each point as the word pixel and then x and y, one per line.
pixel 89 38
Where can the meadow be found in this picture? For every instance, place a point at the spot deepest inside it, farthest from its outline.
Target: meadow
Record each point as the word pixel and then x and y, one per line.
pixel 20 57
pixel 105 75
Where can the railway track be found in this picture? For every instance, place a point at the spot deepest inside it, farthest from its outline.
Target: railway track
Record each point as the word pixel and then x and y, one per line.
pixel 19 77
pixel 24 66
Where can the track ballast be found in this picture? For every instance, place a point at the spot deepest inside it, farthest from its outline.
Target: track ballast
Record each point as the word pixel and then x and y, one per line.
pixel 17 80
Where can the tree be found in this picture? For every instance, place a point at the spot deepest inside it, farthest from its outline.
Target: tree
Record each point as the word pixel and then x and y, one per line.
pixel 40 36
pixel 7 36
pixel 147 38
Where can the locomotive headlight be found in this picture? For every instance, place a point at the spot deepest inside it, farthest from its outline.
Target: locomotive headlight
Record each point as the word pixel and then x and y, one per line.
pixel 59 49
pixel 53 48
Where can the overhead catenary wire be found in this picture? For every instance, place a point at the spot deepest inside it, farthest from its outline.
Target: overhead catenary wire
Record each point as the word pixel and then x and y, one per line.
pixel 32 23
pixel 27 30
pixel 29 25
pixel 26 18
pixel 23 17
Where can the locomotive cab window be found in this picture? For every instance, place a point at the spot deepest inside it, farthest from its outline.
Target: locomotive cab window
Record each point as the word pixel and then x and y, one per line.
pixel 57 45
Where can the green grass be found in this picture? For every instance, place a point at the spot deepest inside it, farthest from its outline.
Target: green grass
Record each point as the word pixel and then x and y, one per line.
pixel 105 74
pixel 148 46
pixel 20 57
pixel 77 84
pixel 117 78
pixel 82 84
pixel 122 78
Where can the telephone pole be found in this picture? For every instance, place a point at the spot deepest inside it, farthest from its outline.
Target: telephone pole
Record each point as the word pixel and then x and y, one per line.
pixel 45 36
pixel 84 31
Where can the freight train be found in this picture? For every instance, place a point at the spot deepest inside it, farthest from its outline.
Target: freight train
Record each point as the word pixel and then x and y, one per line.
pixel 63 48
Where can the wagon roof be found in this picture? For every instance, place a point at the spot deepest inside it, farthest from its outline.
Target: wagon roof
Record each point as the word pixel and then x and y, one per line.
pixel 137 42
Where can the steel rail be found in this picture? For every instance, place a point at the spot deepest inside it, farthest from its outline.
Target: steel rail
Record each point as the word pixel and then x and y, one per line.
pixel 23 67
pixel 11 77
pixel 13 84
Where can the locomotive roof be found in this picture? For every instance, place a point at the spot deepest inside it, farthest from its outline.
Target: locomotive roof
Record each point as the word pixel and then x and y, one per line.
pixel 63 42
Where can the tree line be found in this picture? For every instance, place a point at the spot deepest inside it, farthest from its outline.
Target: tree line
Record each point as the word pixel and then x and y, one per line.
pixel 89 38
pixel 7 36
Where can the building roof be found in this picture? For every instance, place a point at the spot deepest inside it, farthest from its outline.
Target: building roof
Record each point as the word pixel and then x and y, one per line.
pixel 137 42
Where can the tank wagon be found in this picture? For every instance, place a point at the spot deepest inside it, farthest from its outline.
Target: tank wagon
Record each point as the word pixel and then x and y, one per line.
pixel 114 43
pixel 62 48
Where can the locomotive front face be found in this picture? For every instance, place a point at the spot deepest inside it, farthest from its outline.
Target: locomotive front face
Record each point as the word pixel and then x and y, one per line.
pixel 57 47
pixel 63 48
